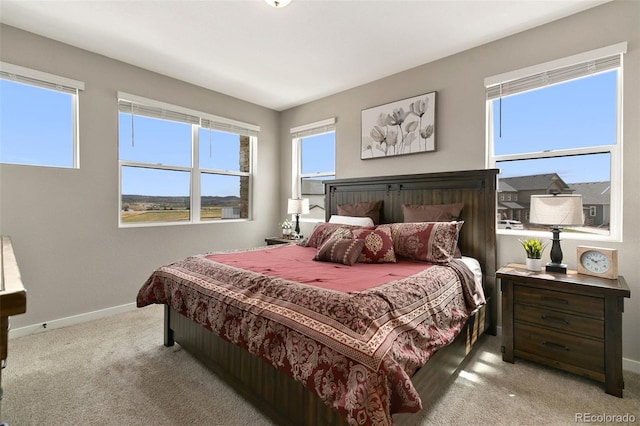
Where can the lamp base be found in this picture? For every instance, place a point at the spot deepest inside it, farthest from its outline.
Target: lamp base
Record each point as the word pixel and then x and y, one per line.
pixel 556 267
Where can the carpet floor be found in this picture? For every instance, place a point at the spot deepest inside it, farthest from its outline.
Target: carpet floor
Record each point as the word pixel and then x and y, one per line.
pixel 115 371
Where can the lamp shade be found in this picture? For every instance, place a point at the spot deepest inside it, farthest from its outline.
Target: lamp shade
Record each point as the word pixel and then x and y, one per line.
pixel 556 210
pixel 298 206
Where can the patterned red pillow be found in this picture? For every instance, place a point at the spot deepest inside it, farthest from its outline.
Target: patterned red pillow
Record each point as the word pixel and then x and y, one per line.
pixel 433 242
pixel 345 251
pixel 324 230
pixel 378 244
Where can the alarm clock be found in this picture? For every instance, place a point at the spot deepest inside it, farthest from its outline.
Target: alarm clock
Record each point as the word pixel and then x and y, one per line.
pixel 598 261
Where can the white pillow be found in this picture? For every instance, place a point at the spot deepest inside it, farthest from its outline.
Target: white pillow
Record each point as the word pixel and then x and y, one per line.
pixel 351 220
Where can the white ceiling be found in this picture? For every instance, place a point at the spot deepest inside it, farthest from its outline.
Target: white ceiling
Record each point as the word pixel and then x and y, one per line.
pixel 280 58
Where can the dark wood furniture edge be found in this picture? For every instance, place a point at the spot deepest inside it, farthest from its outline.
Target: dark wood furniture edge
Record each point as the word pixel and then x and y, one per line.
pixel 13 296
pixel 477 189
pixel 612 292
pixel 279 240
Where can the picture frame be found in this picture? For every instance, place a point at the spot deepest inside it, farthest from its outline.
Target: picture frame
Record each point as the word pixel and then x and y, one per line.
pixel 407 126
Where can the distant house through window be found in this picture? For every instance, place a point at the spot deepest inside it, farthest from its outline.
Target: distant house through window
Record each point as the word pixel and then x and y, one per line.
pixel 313 156
pixel 556 128
pixel 182 166
pixel 39 119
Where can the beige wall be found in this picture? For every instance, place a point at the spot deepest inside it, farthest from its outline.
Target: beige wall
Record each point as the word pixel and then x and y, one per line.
pixel 75 260
pixel 460 122
pixel 64 223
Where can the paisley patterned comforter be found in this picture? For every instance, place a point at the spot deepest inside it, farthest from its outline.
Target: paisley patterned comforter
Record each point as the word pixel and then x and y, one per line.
pixel 355 349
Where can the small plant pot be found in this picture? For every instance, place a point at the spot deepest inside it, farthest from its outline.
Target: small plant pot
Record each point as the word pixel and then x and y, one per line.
pixel 534 265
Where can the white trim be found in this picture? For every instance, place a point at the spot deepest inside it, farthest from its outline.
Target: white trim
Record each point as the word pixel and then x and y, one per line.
pixel 632 365
pixel 72 320
pixel 297 135
pixel 591 55
pixel 617 200
pixel 615 150
pixel 39 75
pixel 296 167
pixel 555 153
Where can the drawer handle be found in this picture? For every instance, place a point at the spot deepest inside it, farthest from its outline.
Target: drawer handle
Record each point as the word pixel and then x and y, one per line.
pixel 555 300
pixel 555 319
pixel 555 346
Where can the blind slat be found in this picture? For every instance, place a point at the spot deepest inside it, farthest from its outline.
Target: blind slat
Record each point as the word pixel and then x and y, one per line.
pixel 154 109
pixel 155 112
pixel 227 127
pixel 555 76
pixel 40 79
pixel 324 126
pixel 38 83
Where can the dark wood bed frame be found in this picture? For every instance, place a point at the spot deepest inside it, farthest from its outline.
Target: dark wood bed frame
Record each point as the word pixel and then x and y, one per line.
pixel 288 402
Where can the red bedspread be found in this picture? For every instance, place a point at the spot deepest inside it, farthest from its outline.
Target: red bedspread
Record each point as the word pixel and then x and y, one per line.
pixel 286 261
pixel 353 335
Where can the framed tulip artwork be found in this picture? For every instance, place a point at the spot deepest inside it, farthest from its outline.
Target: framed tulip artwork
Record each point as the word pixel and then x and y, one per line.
pixel 399 128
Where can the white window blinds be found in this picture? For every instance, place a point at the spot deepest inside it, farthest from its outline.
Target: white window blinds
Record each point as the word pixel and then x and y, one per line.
pixel 156 112
pixel 40 79
pixel 324 126
pixel 582 65
pixel 137 105
pixel 229 126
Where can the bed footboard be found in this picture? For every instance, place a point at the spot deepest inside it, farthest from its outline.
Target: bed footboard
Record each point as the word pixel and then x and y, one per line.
pixel 288 402
pixel 168 331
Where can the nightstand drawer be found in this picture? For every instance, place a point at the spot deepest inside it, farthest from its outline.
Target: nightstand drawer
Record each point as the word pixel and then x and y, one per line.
pixel 559 320
pixel 564 348
pixel 593 306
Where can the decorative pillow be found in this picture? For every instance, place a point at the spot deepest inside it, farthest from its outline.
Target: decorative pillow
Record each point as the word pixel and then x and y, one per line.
pixel 324 230
pixel 433 242
pixel 431 213
pixel 378 244
pixel 371 210
pixel 345 251
pixel 350 220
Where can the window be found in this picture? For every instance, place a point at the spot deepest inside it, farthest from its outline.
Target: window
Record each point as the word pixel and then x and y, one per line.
pixel 314 159
pixel 181 166
pixel 39 118
pixel 556 128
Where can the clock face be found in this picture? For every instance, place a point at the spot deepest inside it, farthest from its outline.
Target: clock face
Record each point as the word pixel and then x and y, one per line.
pixel 594 261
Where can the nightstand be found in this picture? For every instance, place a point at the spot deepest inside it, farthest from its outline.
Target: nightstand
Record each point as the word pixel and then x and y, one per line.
pixel 569 321
pixel 272 241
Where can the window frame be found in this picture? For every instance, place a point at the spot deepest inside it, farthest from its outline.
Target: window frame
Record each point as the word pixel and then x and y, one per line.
pixel 297 134
pixel 587 59
pixel 47 81
pixel 212 122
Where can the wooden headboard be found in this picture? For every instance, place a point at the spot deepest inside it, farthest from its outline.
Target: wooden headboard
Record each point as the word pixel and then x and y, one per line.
pixel 476 189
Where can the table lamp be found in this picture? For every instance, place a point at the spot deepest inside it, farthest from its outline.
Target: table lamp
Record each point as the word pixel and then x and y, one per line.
pixel 298 206
pixel 556 210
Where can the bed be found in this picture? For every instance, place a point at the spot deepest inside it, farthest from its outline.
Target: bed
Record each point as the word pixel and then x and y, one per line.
pixel 330 349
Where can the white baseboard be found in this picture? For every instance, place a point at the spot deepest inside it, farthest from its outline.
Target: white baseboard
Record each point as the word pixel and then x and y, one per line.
pixel 64 322
pixel 631 365
pixel 627 363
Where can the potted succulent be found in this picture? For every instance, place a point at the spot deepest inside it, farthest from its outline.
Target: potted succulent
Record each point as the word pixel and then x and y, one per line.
pixel 534 248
